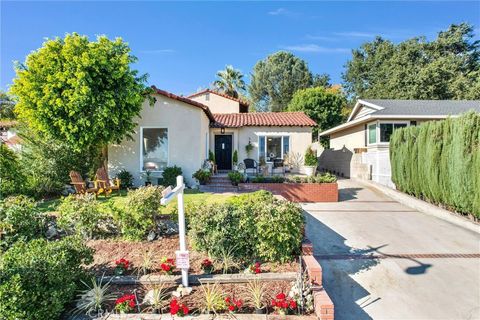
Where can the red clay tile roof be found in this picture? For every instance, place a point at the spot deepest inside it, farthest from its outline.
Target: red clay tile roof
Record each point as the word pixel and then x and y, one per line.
pixel 186 100
pixel 261 119
pixel 242 102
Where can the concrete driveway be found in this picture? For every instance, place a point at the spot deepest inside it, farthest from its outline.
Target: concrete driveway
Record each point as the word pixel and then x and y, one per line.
pixel 382 260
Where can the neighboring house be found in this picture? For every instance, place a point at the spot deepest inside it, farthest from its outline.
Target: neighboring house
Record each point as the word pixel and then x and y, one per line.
pixel 181 131
pixel 360 147
pixel 8 135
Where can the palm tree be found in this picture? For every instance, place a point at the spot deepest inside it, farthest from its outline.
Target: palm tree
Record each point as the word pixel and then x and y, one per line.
pixel 230 82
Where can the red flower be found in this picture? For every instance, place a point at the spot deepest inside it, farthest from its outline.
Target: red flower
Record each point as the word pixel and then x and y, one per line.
pixel 185 310
pixel 280 296
pixel 274 303
pixel 231 308
pixel 123 263
pixel 293 304
pixel 239 303
pixel 227 299
pixel 206 263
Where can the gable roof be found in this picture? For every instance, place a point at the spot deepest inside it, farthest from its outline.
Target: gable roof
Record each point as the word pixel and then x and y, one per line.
pixel 185 100
pixel 242 102
pixel 261 119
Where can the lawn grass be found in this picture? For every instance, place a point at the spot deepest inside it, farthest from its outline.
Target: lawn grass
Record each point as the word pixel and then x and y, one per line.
pixel 191 196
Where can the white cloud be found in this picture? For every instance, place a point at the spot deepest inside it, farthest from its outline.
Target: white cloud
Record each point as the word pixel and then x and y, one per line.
pixel 324 38
pixel 280 12
pixel 157 51
pixel 355 34
pixel 313 48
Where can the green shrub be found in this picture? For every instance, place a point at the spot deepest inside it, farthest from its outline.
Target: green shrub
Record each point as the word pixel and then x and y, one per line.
pixel 235 177
pixel 202 175
pixel 83 215
pixel 235 157
pixel 140 213
pixel 211 156
pixel 254 225
pixel 39 278
pixel 11 175
pixel 169 176
pixel 258 179
pixel 440 161
pixel 20 220
pixel 126 179
pixel 310 157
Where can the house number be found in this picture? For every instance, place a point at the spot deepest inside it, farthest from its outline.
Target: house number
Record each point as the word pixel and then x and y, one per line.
pixel 223 146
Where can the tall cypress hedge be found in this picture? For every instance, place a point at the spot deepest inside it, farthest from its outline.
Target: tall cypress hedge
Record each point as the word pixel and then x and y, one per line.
pixel 440 161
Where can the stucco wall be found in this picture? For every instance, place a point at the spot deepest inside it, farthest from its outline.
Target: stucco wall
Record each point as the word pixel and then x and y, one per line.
pixel 300 138
pixel 187 129
pixel 218 104
pixel 350 138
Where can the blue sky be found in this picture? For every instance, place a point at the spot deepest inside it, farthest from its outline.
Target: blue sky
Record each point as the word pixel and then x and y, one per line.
pixel 182 45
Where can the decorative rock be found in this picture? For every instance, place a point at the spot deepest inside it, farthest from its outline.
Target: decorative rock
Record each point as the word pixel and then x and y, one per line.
pixel 51 232
pixel 167 227
pixel 151 235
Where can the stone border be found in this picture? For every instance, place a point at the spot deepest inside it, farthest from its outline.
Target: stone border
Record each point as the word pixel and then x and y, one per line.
pixel 198 279
pixel 423 206
pixel 297 192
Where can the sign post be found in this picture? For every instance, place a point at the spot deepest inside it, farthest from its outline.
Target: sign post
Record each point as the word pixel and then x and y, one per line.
pixel 182 256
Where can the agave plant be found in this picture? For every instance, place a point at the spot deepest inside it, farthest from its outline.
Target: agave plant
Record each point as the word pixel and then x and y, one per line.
pixel 148 262
pixel 226 261
pixel 93 297
pixel 256 294
pixel 157 298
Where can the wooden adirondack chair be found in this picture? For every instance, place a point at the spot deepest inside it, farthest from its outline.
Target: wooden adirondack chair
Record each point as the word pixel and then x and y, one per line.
pixel 80 185
pixel 105 184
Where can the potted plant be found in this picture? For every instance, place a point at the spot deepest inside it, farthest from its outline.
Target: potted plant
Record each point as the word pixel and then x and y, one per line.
pixel 235 177
pixel 167 265
pixel 207 266
pixel 256 295
pixel 283 304
pixel 125 304
pixel 235 160
pixel 147 175
pixel 310 162
pixel 202 175
pixel 248 148
pixel 121 266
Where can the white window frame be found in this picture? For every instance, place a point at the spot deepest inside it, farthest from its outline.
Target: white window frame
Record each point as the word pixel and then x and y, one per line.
pixel 141 147
pixel 276 135
pixel 377 130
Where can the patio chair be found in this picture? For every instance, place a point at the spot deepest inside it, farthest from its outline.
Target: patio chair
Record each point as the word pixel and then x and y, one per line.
pixel 278 163
pixel 250 164
pixel 80 185
pixel 105 184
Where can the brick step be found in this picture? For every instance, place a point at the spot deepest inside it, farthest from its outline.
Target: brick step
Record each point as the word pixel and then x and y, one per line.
pixel 209 188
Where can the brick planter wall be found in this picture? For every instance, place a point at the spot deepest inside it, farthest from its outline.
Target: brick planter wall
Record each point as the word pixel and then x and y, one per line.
pixel 297 192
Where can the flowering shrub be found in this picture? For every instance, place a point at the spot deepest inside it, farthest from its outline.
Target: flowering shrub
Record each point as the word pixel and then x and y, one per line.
pixel 140 212
pixel 178 309
pixel 167 265
pixel 125 304
pixel 233 304
pixel 283 305
pixel 207 266
pixel 121 266
pixel 254 268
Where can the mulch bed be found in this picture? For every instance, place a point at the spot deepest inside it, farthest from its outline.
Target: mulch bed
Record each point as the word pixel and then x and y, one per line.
pixel 108 251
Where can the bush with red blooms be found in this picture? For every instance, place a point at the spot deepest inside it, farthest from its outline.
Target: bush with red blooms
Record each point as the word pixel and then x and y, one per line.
pixel 254 268
pixel 125 304
pixel 233 304
pixel 168 265
pixel 282 304
pixel 121 266
pixel 178 309
pixel 207 266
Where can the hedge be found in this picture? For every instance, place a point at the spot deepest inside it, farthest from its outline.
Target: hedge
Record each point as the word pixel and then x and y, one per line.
pixel 439 161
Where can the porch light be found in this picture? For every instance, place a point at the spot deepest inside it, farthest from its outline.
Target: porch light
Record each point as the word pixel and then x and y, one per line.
pixel 222 130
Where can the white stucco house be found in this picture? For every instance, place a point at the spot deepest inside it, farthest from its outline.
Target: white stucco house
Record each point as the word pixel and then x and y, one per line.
pixel 181 131
pixel 359 148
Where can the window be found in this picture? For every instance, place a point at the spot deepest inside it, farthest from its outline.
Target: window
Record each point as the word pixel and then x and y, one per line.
pixel 154 153
pixel 273 147
pixel 372 133
pixel 386 130
pixel 207 96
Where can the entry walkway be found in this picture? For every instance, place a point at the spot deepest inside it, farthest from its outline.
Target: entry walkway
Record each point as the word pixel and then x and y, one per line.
pixel 382 260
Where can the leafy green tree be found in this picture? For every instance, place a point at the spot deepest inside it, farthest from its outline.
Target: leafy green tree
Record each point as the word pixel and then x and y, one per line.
pixel 81 92
pixel 230 82
pixel 321 80
pixel 276 78
pixel 445 68
pixel 6 106
pixel 324 106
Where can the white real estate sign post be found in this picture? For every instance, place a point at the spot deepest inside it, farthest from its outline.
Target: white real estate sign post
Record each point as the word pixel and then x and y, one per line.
pixel 182 257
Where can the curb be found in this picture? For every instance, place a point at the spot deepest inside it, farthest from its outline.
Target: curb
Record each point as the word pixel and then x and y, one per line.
pixel 423 206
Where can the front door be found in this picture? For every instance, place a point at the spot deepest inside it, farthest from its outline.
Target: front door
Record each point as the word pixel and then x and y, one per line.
pixel 223 152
